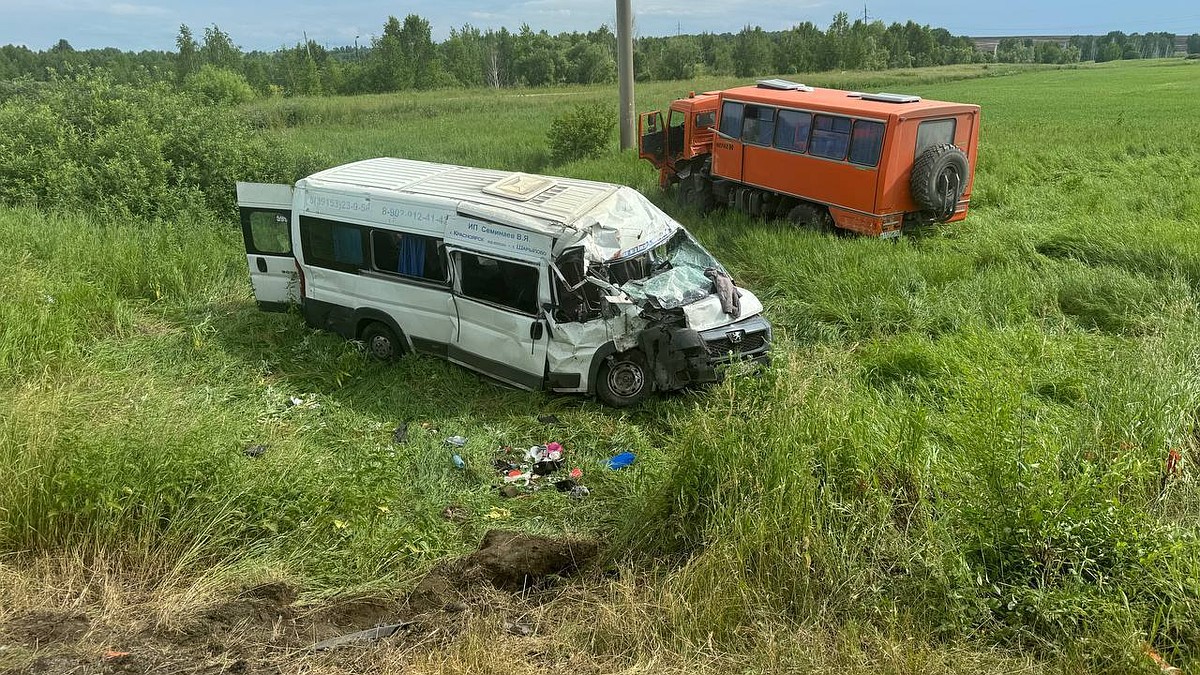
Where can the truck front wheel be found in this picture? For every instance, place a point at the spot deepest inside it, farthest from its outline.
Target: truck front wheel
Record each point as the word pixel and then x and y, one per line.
pixel 694 193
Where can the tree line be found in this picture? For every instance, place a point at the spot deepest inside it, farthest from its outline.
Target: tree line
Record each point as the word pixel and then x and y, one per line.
pixel 404 56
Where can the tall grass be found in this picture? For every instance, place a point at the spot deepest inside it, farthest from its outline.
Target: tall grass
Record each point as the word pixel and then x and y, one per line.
pixel 965 443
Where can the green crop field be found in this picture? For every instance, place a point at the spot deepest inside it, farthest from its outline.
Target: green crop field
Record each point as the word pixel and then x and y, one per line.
pixel 977 449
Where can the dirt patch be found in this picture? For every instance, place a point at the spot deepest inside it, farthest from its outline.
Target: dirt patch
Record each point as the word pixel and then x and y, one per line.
pixel 48 626
pixel 263 629
pixel 509 561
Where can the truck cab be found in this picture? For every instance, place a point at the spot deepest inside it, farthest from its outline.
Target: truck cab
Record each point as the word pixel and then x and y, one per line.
pixel 686 136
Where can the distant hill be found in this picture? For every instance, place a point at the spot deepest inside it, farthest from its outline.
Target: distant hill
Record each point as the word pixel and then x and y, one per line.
pixel 988 44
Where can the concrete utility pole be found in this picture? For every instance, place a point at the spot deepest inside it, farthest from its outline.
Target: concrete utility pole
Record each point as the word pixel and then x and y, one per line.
pixel 625 71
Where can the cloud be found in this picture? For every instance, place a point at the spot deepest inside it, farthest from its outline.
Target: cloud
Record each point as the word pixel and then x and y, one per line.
pixel 127 9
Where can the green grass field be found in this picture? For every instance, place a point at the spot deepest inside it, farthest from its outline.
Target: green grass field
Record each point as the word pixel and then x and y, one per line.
pixel 957 463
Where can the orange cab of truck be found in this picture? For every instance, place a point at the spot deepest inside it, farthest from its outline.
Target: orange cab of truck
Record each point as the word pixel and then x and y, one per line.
pixel 823 158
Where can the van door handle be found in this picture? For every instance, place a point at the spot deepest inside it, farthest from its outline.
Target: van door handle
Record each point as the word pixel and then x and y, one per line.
pixel 535 330
pixel 262 265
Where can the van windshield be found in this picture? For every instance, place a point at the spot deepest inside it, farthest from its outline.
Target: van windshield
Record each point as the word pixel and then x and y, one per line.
pixel 670 275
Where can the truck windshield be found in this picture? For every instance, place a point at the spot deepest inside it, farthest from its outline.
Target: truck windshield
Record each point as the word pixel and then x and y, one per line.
pixel 670 275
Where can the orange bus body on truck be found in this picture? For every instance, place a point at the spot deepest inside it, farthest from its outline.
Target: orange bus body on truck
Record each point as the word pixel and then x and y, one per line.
pixel 823 158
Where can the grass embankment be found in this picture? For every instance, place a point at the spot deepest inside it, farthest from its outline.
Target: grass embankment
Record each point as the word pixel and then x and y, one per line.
pixel 958 461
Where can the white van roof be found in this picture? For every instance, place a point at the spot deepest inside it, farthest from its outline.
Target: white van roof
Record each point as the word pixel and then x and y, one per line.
pixel 551 200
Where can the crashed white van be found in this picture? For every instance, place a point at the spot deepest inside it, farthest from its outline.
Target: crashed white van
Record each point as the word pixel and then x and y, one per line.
pixel 541 282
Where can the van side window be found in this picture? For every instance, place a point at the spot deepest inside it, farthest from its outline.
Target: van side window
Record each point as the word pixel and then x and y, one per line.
pixel 831 136
pixel 334 245
pixel 500 282
pixel 934 132
pixel 407 254
pixel 866 142
pixel 760 125
pixel 731 119
pixel 792 131
pixel 269 232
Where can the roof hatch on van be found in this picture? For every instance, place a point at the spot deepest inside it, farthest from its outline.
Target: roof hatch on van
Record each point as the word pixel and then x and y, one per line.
pixel 783 85
pixel 520 186
pixel 884 97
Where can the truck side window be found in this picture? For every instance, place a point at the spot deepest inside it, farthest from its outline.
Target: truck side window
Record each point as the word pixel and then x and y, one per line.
pixel 334 245
pixel 760 125
pixel 866 142
pixel 831 136
pixel 500 282
pixel 407 254
pixel 706 119
pixel 792 131
pixel 934 132
pixel 731 119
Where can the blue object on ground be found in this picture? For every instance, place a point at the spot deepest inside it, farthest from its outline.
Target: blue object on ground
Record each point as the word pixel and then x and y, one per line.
pixel 621 461
pixel 458 462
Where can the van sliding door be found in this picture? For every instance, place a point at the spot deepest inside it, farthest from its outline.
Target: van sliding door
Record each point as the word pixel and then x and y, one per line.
pixel 500 329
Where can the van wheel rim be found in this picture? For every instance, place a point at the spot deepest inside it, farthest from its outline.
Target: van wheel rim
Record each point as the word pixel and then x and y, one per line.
pixel 381 347
pixel 626 379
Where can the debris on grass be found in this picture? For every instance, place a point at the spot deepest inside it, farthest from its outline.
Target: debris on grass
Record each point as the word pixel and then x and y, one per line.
pixel 400 435
pixel 255 450
pixel 621 460
pixel 369 635
pixel 456 441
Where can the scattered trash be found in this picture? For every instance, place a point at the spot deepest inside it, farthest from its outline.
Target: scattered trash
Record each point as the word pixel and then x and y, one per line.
pixel 458 461
pixel 455 513
pixel 565 485
pixel 518 629
pixel 576 473
pixel 546 467
pixel 109 655
pixel 456 441
pixel 548 419
pixel 621 461
pixel 255 450
pixel 579 492
pixel 554 451
pixel 400 435
pixel 371 634
pixel 498 513
pixel 1166 668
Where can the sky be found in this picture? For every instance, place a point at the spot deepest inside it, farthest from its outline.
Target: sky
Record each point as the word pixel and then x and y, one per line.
pixel 135 25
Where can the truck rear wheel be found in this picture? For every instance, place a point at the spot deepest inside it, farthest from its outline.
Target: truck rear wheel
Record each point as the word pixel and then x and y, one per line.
pixel 939 177
pixel 811 216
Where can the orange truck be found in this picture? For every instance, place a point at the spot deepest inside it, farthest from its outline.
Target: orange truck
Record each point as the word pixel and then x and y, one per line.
pixel 822 158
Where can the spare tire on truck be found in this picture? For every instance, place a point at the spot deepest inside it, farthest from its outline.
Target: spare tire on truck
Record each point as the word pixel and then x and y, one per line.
pixel 939 177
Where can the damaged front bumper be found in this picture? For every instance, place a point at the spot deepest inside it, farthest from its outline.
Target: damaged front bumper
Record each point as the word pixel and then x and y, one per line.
pixel 746 340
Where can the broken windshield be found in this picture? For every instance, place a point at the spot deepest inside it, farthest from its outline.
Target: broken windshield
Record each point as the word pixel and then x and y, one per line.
pixel 670 275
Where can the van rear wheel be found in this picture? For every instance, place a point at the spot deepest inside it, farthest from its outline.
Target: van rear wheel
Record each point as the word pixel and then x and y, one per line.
pixel 381 342
pixel 623 380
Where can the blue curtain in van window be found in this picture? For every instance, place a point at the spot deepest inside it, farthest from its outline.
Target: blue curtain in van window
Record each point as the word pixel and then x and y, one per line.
pixel 412 256
pixel 347 245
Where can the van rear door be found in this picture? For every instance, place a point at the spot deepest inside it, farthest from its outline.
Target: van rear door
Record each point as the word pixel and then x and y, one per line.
pixel 266 215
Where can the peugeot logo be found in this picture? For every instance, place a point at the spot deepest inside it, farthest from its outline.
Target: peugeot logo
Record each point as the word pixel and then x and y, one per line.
pixel 736 336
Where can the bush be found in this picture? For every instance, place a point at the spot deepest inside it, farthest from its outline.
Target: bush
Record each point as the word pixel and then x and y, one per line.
pixel 88 144
pixel 217 85
pixel 583 132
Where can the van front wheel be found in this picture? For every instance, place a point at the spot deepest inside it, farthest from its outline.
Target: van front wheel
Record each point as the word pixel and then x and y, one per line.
pixel 623 380
pixel 381 342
